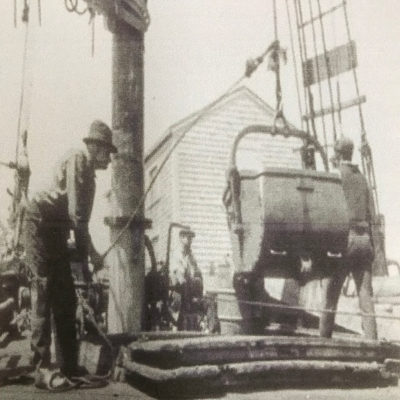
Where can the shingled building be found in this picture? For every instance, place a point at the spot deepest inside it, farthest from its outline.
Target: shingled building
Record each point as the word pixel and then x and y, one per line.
pixel 190 186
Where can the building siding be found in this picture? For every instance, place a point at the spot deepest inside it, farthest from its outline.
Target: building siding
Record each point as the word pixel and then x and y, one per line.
pixel 200 165
pixel 159 202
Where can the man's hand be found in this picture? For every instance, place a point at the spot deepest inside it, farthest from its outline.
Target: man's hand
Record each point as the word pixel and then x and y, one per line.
pixel 95 258
pixel 97 261
pixel 177 277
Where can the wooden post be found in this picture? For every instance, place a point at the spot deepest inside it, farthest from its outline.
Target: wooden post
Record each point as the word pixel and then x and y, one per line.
pixel 126 260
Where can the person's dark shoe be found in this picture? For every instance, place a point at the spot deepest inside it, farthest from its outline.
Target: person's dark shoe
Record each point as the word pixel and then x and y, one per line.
pixel 88 380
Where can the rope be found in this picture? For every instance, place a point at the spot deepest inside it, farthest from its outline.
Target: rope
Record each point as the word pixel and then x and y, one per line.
pixel 25 11
pixel 39 2
pixel 91 318
pixel 321 103
pixel 90 313
pixel 72 6
pixel 303 45
pixel 337 65
pixel 339 101
pixel 275 19
pixel 93 22
pixel 354 70
pixel 17 209
pixel 310 94
pixel 200 115
pixel 307 111
pixel 298 308
pixel 295 64
pixel 367 158
pixel 327 66
pixel 21 99
pixel 15 13
pixel 275 56
pixel 10 164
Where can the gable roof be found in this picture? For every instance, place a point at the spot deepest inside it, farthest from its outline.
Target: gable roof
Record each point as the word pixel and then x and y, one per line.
pixel 181 124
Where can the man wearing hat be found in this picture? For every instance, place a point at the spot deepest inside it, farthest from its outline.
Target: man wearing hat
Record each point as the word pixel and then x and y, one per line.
pixel 51 217
pixel 360 252
pixel 187 281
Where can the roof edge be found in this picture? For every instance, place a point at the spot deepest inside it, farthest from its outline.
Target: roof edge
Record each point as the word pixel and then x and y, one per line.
pixel 158 145
pixel 186 120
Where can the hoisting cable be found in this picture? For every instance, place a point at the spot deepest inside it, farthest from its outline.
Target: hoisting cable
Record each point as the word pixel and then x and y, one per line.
pixel 11 164
pixel 339 100
pixel 39 3
pixel 295 64
pixel 354 70
pixel 321 102
pixel 299 20
pixel 275 66
pixel 307 110
pixel 251 67
pixel 15 13
pixel 25 12
pixel 168 155
pixel 338 87
pixel 327 67
pixel 275 19
pixel 25 18
pixel 21 163
pixel 366 153
pixel 92 21
pixel 308 309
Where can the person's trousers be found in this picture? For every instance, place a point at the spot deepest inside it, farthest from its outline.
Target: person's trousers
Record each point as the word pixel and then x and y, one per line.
pixel 358 261
pixel 52 290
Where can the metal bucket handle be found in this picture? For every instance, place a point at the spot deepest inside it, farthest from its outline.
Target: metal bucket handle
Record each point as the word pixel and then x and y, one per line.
pixel 274 130
pixel 231 196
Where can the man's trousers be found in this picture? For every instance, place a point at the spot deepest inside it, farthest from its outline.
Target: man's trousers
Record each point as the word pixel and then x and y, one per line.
pixel 52 288
pixel 358 262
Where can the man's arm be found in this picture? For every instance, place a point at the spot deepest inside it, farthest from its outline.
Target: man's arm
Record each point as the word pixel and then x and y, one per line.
pixel 78 207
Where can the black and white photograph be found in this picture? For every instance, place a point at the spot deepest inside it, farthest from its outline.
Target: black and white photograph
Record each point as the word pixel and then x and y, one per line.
pixel 199 199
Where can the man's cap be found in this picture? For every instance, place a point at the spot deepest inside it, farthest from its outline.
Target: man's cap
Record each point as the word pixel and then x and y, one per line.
pixel 187 232
pixel 344 145
pixel 99 132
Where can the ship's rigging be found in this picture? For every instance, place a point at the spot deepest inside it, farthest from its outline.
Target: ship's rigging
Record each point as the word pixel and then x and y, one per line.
pixel 319 69
pixel 325 64
pixel 322 72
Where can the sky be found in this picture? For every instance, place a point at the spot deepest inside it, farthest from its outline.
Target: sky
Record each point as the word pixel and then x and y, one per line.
pixel 194 50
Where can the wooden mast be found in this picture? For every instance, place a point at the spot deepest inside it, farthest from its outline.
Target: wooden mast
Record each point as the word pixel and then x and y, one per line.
pixel 127 22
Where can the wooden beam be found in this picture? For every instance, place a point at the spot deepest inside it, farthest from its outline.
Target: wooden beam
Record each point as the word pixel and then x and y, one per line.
pixel 336 108
pixel 126 259
pixel 132 12
pixel 232 349
pixel 334 62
